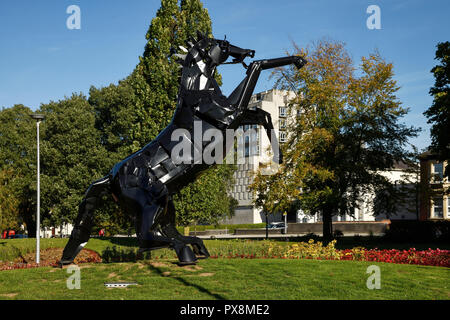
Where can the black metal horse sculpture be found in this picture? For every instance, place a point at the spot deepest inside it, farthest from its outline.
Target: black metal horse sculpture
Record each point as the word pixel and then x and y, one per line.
pixel 144 183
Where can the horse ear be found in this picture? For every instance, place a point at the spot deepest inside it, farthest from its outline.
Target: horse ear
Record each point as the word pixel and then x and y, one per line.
pixel 182 57
pixel 200 35
pixel 190 42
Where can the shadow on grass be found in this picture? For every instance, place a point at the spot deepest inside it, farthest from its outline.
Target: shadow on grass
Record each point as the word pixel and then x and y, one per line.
pixel 115 254
pixel 123 255
pixel 120 241
pixel 187 283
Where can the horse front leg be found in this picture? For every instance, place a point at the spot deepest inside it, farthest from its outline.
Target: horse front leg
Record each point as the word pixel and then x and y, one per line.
pixel 261 117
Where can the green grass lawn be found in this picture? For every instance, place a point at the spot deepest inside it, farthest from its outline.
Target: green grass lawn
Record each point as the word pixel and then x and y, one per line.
pixel 250 279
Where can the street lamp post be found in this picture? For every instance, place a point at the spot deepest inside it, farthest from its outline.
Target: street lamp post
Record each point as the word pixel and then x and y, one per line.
pixel 38 118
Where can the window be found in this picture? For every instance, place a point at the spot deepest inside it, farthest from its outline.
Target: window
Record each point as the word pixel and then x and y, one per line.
pixel 438 171
pixel 282 111
pixel 254 141
pixel 247 146
pixel 448 207
pixel 283 136
pixel 282 124
pixel 438 208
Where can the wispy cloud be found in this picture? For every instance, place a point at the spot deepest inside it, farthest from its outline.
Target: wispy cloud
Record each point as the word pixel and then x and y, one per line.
pixel 414 77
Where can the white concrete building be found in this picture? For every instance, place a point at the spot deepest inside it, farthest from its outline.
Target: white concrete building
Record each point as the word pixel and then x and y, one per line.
pixel 275 102
pixel 256 149
pixel 407 207
pixel 64 230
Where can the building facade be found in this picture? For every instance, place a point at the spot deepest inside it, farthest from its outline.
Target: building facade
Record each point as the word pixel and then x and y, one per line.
pixel 435 188
pixel 407 207
pixel 256 149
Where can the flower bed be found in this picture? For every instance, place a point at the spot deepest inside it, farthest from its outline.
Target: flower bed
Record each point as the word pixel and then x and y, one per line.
pixel 48 258
pixel 248 249
pixel 315 250
pixel 428 257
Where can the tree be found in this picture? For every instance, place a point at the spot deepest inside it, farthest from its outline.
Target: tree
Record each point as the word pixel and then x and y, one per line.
pixel 438 113
pixel 133 112
pixel 72 157
pixel 18 151
pixel 9 213
pixel 157 76
pixel 116 119
pixel 345 132
pixel 206 200
pixel 138 108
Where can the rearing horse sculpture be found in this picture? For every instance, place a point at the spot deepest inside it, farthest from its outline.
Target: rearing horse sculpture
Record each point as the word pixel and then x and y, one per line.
pixel 144 183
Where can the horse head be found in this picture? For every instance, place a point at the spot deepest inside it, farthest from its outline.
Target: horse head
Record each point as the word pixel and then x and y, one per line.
pixel 201 58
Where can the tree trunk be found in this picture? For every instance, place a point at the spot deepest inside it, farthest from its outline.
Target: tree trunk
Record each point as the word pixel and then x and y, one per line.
pixel 30 224
pixel 327 224
pixel 267 227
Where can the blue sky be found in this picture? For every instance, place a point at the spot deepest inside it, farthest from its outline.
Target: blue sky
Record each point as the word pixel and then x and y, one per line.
pixel 42 60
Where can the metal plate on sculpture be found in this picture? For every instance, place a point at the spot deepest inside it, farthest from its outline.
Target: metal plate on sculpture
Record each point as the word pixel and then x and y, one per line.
pixel 120 284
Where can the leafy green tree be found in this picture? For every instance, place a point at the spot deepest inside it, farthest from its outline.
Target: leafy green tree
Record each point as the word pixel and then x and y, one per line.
pixel 206 200
pixel 138 108
pixel 438 113
pixel 346 131
pixel 133 112
pixel 9 204
pixel 116 119
pixel 18 151
pixel 156 78
pixel 72 157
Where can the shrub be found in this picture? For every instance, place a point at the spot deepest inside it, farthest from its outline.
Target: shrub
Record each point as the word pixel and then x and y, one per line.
pixel 418 231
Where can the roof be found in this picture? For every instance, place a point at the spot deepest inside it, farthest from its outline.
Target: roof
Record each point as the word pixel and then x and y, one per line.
pixel 427 155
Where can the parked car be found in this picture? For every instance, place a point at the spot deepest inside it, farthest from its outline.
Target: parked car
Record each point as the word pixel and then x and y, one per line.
pixel 276 225
pixel 20 236
pixel 8 234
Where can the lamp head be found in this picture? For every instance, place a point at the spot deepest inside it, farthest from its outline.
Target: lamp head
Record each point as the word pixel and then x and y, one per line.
pixel 37 116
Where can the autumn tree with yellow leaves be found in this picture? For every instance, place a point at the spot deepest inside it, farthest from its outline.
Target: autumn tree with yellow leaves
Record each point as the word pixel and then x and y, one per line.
pixel 346 131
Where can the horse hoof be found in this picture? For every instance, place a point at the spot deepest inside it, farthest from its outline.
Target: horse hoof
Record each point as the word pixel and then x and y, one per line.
pixel 63 263
pixel 186 256
pixel 200 251
pixel 186 263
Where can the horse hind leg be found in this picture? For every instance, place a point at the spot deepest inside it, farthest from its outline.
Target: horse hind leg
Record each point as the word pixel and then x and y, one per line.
pixel 197 244
pixel 84 221
pixel 150 236
pixel 169 229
